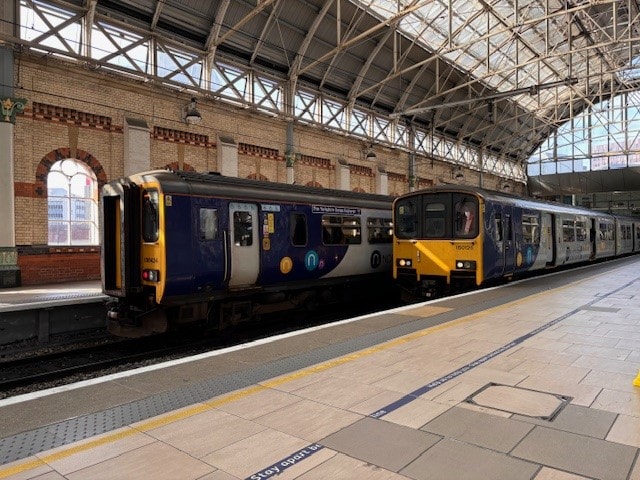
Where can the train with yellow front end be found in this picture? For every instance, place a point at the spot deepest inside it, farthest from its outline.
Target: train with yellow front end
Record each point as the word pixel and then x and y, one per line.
pixel 454 238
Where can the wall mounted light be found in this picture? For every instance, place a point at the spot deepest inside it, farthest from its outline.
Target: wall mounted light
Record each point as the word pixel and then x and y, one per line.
pixel 190 113
pixel 368 153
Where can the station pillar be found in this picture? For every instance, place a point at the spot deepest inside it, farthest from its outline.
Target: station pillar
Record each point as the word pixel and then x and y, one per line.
pixel 9 107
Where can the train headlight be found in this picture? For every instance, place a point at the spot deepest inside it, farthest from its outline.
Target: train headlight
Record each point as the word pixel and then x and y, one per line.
pixel 404 262
pixel 465 264
pixel 151 275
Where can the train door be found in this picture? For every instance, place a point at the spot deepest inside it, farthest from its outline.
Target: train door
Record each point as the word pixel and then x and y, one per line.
pixel 509 251
pixel 546 238
pixel 244 244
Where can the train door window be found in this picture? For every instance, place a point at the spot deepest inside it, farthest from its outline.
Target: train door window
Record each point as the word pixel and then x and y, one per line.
pixel 298 229
pixel 602 231
pixel 568 231
pixel 150 217
pixel 379 230
pixel 581 231
pixel 508 234
pixel 242 229
pixel 434 218
pixel 208 227
pixel 531 229
pixel 406 219
pixel 498 227
pixel 466 217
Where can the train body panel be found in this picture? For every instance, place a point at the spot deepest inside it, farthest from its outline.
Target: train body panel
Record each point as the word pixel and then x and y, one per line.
pixel 512 236
pixel 197 239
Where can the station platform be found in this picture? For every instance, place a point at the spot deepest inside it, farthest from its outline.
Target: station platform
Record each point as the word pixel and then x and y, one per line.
pixel 530 380
pixel 51 295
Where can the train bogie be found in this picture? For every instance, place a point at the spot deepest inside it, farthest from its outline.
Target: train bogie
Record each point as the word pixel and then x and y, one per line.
pixel 205 248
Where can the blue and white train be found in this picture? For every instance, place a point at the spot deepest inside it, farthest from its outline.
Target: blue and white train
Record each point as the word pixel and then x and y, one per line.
pixel 181 247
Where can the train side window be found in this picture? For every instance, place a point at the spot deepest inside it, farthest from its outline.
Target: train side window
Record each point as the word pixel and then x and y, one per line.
pixel 379 230
pixel 568 231
pixel 338 230
pixel 434 220
pixel 298 228
pixel 351 231
pixel 208 224
pixel 242 229
pixel 406 220
pixel 530 229
pixel 466 218
pixel 150 217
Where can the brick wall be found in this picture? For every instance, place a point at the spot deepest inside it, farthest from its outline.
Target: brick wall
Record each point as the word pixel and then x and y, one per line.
pixel 42 265
pixel 81 113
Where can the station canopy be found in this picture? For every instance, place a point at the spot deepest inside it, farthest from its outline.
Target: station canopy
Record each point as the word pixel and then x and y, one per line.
pixel 481 83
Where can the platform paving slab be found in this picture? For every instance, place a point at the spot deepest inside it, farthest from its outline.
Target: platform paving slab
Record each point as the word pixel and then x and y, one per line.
pixel 381 443
pixel 452 459
pixel 591 457
pixel 481 429
pixel 577 419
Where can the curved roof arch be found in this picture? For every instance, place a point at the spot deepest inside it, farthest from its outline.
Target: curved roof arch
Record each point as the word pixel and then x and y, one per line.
pixel 501 75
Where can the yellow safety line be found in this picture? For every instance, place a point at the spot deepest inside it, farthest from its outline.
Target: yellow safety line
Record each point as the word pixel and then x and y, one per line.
pixel 226 399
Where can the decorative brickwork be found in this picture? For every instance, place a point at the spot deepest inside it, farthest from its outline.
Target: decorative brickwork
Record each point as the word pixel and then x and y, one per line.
pixel 69 116
pixel 44 167
pixel 361 170
pixel 257 176
pixel 256 150
pixel 178 136
pixel 313 183
pixel 316 161
pixel 424 182
pixel 176 166
pixel 397 177
pixel 24 189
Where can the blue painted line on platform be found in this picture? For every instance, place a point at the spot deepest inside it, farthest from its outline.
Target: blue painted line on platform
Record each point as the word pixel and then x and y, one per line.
pixel 277 468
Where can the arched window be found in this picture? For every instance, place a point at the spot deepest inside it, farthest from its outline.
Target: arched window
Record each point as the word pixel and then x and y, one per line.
pixel 72 203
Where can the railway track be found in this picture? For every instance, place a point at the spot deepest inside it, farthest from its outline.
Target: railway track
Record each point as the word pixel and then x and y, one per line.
pixel 45 370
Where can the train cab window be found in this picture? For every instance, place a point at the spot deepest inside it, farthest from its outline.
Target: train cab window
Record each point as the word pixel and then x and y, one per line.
pixel 338 230
pixel 406 219
pixel 379 230
pixel 298 228
pixel 242 229
pixel 150 216
pixel 466 218
pixel 208 224
pixel 434 219
pixel 530 229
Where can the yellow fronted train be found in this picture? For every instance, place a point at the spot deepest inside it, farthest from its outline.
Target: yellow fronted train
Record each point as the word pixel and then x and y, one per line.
pixel 454 238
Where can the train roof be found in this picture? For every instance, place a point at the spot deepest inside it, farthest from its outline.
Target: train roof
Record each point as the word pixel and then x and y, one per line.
pixel 213 184
pixel 507 198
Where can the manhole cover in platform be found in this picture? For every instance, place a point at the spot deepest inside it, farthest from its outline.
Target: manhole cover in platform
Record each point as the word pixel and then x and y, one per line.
pixel 520 401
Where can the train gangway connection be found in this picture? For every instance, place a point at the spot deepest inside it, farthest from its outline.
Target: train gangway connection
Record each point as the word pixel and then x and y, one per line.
pixel 530 380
